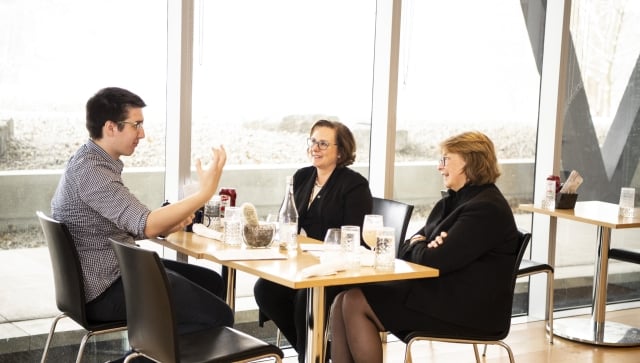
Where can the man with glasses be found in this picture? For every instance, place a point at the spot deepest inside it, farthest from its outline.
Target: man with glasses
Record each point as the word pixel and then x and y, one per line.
pixel 95 205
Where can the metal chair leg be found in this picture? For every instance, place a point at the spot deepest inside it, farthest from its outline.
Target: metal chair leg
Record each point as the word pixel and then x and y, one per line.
pixel 278 337
pixel 50 336
pixel 475 351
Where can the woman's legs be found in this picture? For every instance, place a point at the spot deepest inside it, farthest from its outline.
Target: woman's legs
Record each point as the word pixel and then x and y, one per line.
pixel 339 347
pixel 355 329
pixel 277 302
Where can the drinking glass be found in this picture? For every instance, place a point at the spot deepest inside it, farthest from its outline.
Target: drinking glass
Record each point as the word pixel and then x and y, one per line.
pixel 385 249
pixel 370 227
pixel 332 253
pixel 233 226
pixel 350 245
pixel 627 202
pixel 332 238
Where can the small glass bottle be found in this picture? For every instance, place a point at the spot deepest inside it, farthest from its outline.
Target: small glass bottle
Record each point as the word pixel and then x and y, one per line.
pixel 288 220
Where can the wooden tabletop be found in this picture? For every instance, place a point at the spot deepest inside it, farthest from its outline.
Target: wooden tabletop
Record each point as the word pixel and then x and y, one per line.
pixel 593 212
pixel 287 271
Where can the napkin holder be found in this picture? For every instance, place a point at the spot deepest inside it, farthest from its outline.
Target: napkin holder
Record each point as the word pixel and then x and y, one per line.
pixel 566 200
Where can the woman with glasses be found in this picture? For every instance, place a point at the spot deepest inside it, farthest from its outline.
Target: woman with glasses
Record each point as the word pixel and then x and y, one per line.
pixel 328 194
pixel 470 236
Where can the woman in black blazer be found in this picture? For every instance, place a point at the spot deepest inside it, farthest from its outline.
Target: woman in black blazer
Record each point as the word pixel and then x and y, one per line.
pixel 327 195
pixel 470 236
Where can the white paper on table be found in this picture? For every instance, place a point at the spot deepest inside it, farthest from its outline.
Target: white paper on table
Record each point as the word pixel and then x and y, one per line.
pixel 204 231
pixel 247 254
pixel 312 247
pixel 323 269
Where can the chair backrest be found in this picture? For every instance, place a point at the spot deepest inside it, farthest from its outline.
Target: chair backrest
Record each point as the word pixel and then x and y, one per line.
pixel 67 272
pixel 523 240
pixel 150 314
pixel 394 214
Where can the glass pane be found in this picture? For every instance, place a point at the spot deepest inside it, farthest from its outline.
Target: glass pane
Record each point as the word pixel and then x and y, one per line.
pixel 54 56
pixel 264 72
pixel 600 137
pixel 476 70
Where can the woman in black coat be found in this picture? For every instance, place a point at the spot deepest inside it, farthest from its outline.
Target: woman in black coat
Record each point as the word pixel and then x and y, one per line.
pixel 327 195
pixel 470 236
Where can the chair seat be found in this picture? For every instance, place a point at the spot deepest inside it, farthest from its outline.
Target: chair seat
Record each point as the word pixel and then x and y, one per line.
pixel 528 267
pixel 632 256
pixel 222 344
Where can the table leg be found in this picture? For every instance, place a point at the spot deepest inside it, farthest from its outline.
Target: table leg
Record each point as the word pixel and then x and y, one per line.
pixel 315 329
pixel 231 288
pixel 597 330
pixel 182 257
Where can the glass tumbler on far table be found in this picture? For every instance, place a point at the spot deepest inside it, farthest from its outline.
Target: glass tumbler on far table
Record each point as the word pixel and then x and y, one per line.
pixel 370 227
pixel 627 202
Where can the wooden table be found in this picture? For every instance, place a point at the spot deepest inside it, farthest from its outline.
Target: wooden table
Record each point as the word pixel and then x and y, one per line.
pixel 287 272
pixel 595 330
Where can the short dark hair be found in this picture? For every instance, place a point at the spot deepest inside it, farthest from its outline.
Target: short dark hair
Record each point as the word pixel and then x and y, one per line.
pixel 109 104
pixel 478 153
pixel 344 138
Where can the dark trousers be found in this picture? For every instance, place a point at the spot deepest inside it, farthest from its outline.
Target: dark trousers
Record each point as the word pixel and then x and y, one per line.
pixel 197 293
pixel 287 308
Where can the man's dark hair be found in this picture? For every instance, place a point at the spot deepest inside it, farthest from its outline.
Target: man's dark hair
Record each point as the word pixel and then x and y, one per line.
pixel 110 104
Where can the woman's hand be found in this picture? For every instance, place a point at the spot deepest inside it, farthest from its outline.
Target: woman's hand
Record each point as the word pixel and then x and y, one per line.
pixel 417 238
pixel 438 240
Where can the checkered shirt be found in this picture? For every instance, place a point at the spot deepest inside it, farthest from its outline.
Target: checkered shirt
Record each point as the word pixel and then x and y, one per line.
pixel 92 201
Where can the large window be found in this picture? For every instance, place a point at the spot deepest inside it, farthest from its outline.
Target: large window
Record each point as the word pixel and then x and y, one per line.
pixel 467 65
pixel 264 72
pixel 54 55
pixel 600 136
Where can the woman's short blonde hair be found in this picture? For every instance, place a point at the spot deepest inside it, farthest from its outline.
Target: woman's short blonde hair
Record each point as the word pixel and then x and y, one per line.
pixel 479 154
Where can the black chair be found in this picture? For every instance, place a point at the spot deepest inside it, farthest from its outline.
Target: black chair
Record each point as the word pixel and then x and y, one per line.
pixel 621 254
pixel 152 330
pixel 530 267
pixel 69 285
pixel 394 214
pixel 495 339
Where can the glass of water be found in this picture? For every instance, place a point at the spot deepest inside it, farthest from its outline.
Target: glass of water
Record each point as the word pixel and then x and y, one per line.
pixel 350 243
pixel 233 226
pixel 385 249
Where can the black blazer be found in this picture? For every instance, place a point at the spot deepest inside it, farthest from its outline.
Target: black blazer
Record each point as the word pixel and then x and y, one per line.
pixel 343 200
pixel 476 260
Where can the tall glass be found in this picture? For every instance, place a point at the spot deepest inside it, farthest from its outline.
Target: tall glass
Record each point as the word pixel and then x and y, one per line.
pixel 385 255
pixel 233 226
pixel 370 227
pixel 350 243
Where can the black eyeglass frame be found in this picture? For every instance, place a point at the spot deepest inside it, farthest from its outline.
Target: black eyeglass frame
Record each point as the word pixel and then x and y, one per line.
pixel 136 125
pixel 322 144
pixel 443 161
